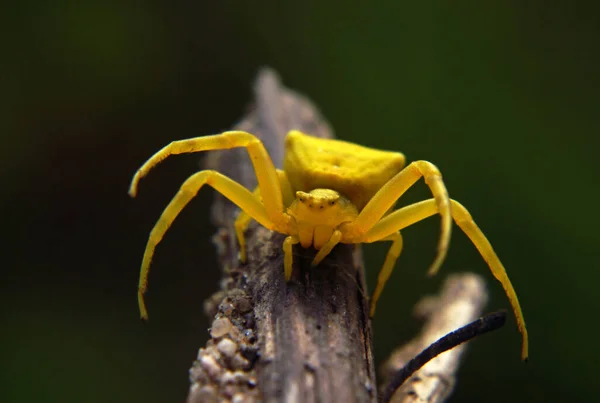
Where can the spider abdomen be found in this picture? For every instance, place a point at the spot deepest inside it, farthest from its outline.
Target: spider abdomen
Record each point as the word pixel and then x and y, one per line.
pixel 354 171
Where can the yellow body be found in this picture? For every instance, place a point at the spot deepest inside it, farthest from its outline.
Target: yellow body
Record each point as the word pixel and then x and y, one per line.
pixel 329 192
pixel 355 171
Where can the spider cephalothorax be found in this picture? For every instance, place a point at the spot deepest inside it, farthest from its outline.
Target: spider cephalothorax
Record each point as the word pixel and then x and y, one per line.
pixel 329 192
pixel 317 214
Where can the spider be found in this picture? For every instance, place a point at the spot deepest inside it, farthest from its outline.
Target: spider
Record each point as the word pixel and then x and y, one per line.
pixel 329 192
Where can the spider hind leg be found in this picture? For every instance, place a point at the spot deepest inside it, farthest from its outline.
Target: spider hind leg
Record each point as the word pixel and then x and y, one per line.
pixel 269 212
pixel 387 268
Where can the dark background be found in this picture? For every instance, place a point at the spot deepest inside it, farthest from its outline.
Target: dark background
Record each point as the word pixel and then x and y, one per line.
pixel 501 95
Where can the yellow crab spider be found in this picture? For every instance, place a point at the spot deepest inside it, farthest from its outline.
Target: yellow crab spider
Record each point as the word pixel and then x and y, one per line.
pixel 329 192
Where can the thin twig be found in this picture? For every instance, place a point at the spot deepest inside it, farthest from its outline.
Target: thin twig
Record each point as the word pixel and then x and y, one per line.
pixel 485 324
pixel 460 301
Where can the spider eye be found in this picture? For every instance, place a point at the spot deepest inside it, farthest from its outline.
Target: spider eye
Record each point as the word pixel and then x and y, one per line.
pixel 321 207
pixel 331 203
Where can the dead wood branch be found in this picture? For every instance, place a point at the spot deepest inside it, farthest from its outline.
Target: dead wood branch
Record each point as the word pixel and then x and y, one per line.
pixel 305 341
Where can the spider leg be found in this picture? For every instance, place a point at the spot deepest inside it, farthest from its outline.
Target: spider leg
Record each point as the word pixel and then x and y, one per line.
pixel 263 166
pixel 241 225
pixel 224 185
pixel 326 249
pixel 413 213
pixel 387 196
pixel 388 267
pixel 243 219
pixel 288 257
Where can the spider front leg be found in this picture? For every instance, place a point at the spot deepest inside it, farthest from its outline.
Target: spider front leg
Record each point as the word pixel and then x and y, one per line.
pixel 224 185
pixel 266 174
pixel 387 196
pixel 269 213
pixel 414 213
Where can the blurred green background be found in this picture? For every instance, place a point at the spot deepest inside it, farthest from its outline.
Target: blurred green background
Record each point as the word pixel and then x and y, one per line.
pixel 501 95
